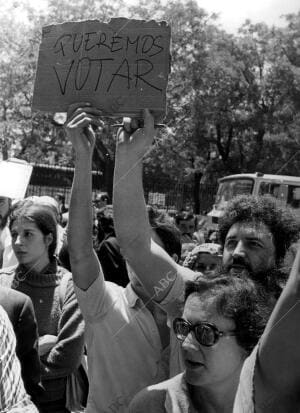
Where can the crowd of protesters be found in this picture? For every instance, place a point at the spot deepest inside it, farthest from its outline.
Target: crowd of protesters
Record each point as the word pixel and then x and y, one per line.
pixel 170 317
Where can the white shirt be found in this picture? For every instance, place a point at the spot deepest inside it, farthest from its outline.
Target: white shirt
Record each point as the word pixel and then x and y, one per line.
pixel 123 345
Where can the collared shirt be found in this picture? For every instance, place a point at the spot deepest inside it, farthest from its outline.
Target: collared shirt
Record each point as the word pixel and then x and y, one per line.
pixel 13 397
pixel 177 396
pixel 124 347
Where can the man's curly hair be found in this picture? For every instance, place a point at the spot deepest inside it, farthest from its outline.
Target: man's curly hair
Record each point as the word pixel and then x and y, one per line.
pixel 281 222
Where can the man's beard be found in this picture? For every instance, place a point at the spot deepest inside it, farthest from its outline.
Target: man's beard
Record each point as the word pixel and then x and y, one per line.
pixel 272 280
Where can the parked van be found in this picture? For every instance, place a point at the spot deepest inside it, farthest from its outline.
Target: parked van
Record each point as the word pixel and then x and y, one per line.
pixel 284 188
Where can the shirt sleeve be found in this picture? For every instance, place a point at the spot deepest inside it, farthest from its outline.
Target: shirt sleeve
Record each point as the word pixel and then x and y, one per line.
pixel 96 300
pixel 174 301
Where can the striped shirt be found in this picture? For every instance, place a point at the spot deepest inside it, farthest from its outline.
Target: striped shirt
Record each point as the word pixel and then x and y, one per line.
pixel 13 397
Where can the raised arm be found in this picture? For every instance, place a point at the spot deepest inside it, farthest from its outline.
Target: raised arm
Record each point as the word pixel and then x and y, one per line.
pixel 154 267
pixel 277 372
pixel 84 262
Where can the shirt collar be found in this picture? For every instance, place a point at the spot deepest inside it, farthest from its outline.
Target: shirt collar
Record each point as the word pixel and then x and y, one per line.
pixel 177 397
pixel 131 296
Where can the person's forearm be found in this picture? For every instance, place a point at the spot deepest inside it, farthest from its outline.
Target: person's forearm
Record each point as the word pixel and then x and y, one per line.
pixel 84 264
pixel 80 212
pixel 130 215
pixel 150 262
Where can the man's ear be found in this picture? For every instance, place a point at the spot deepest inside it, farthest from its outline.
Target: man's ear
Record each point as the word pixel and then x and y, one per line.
pixel 175 257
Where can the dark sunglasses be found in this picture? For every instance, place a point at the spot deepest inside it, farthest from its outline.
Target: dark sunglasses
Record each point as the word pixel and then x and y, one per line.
pixel 206 334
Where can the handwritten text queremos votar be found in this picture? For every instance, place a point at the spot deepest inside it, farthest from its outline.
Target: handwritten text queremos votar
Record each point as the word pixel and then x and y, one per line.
pixel 85 56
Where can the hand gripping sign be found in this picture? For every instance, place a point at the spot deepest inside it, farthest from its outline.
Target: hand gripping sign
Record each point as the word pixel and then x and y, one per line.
pixel 120 67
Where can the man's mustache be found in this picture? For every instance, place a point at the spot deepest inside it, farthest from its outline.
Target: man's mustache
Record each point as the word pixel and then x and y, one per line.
pixel 240 262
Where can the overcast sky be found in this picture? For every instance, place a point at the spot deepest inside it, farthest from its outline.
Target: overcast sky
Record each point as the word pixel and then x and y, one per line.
pixel 233 13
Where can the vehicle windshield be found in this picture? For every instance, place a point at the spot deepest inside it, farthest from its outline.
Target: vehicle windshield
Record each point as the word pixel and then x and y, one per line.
pixel 232 187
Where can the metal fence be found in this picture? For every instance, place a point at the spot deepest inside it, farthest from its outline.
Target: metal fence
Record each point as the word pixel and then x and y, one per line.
pixel 39 190
pixel 177 196
pixel 167 194
pixel 52 180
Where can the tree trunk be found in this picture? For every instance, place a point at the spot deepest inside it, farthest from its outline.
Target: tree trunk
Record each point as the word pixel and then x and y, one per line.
pixel 4 149
pixel 197 179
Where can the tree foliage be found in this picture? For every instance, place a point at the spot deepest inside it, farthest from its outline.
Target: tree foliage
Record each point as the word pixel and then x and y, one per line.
pixel 233 100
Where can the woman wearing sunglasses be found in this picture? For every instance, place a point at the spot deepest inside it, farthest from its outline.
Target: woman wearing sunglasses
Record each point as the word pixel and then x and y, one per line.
pixel 222 321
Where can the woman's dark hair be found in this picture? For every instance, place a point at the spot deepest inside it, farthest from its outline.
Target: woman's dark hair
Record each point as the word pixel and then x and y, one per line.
pixel 283 225
pixel 238 298
pixel 170 237
pixel 42 216
pixel 166 230
pixel 64 256
pixel 106 221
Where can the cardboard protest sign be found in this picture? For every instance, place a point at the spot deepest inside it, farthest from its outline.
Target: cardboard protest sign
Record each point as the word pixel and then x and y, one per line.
pixel 120 67
pixel 14 179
